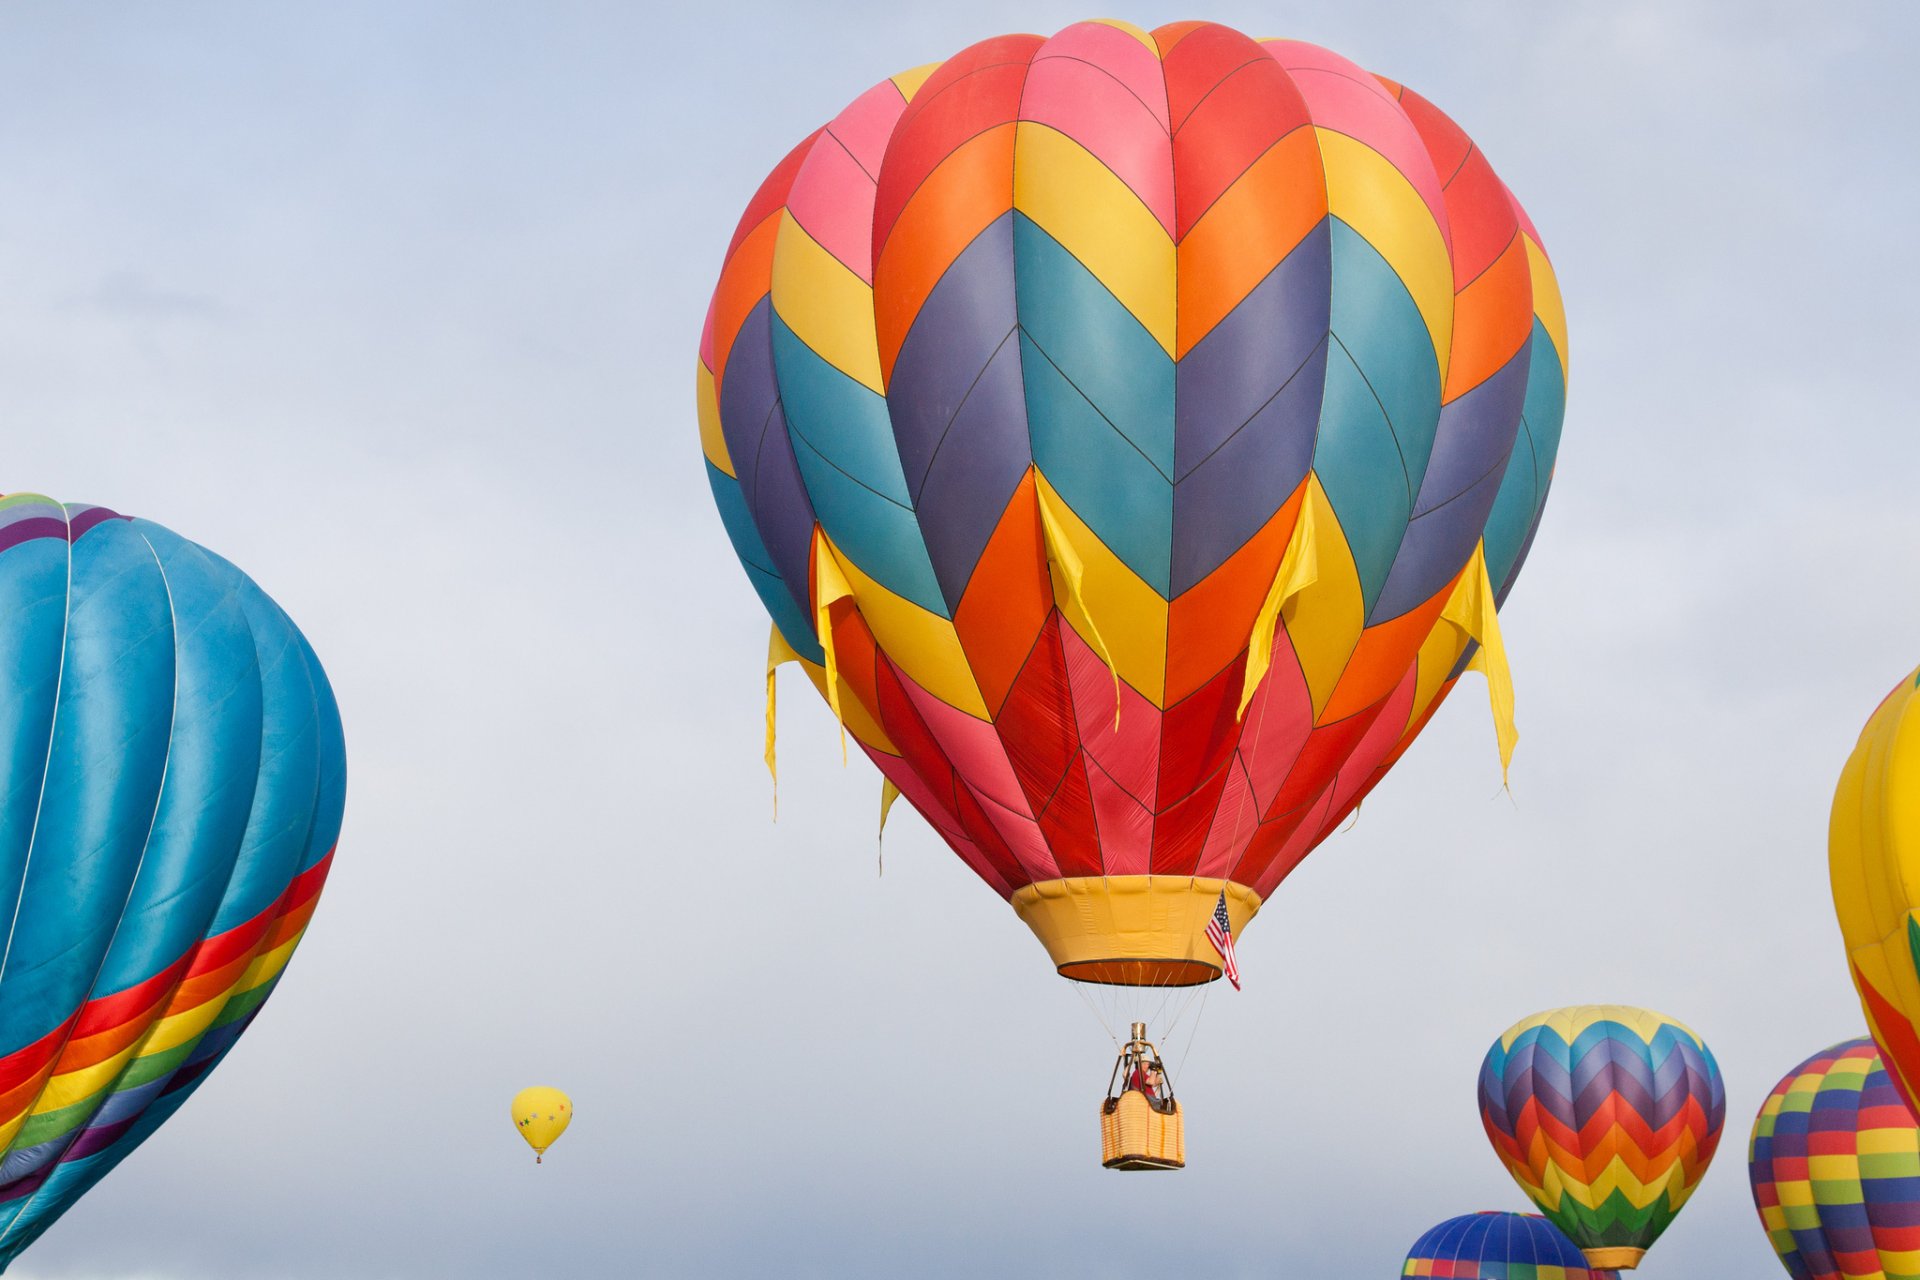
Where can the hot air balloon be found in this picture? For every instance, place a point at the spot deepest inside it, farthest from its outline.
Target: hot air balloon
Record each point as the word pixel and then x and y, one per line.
pixel 1499 1246
pixel 1873 844
pixel 173 781
pixel 1131 435
pixel 541 1114
pixel 1607 1117
pixel 1835 1167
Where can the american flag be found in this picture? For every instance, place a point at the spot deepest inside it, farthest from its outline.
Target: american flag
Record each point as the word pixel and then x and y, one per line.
pixel 1220 934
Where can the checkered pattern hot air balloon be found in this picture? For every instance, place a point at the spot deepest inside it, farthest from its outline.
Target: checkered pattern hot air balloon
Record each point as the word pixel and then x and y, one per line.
pixel 1131 434
pixel 171 781
pixel 1498 1246
pixel 1835 1167
pixel 1607 1117
pixel 1873 851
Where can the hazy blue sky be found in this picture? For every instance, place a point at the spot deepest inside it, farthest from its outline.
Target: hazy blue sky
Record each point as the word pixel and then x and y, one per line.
pixel 396 305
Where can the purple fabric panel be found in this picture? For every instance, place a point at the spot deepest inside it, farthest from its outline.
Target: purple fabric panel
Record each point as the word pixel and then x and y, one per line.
pixel 959 329
pixel 974 472
pixel 1476 433
pixel 756 436
pixel 1226 379
pixel 1225 499
pixel 20 531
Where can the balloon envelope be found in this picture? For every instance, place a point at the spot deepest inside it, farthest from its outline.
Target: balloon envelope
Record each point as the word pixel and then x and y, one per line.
pixel 541 1114
pixel 173 780
pixel 1499 1246
pixel 1607 1116
pixel 1873 845
pixel 1131 433
pixel 1835 1168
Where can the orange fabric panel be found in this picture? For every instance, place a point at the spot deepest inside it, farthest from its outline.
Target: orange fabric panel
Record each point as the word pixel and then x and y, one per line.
pixel 959 199
pixel 1209 624
pixel 1007 599
pixel 1254 224
pixel 1492 317
pixel 1380 659
pixel 747 278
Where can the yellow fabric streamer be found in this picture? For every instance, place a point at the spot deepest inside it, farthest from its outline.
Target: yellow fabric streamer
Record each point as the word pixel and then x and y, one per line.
pixel 1061 553
pixel 1471 609
pixel 829 587
pixel 778 652
pixel 888 794
pixel 1299 569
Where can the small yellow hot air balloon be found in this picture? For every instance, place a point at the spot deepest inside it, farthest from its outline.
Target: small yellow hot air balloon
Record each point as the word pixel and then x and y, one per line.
pixel 541 1114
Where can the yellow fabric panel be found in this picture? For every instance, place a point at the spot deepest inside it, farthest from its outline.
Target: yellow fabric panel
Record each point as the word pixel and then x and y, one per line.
pixel 1138 917
pixel 1080 202
pixel 265 967
pixel 1548 306
pixel 173 1031
pixel 827 306
pixel 923 644
pixel 1130 613
pixel 1569 1022
pixel 77 1086
pixel 909 82
pixel 1299 569
pixel 712 442
pixel 1119 24
pixel 1471 609
pixel 1367 193
pixel 1332 601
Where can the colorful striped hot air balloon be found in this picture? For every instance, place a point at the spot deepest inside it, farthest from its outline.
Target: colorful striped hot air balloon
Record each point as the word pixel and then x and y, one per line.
pixel 1607 1117
pixel 1835 1166
pixel 172 787
pixel 1873 844
pixel 1498 1246
pixel 1131 434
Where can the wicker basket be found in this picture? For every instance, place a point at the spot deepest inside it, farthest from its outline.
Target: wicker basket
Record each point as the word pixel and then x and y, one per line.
pixel 1135 1136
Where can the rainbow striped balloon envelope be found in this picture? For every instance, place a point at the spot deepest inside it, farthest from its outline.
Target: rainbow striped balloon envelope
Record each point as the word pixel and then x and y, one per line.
pixel 1607 1116
pixel 171 781
pixel 1499 1246
pixel 1835 1167
pixel 1132 434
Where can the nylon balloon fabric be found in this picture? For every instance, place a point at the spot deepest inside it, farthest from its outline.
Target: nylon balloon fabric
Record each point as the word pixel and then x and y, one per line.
pixel 1835 1168
pixel 1607 1116
pixel 1498 1246
pixel 173 785
pixel 1873 858
pixel 1131 433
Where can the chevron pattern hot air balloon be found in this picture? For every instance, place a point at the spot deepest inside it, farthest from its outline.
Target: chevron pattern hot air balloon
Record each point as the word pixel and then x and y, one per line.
pixel 1607 1116
pixel 1498 1246
pixel 172 788
pixel 1131 433
pixel 1873 845
pixel 1835 1167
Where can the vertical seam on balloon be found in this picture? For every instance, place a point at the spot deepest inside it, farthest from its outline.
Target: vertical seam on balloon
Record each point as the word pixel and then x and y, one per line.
pixel 53 723
pixel 173 710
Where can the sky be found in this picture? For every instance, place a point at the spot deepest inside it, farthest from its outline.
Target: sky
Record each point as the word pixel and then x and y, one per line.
pixel 396 305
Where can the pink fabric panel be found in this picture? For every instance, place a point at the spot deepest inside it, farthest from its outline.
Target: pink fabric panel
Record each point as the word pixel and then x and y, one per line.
pixel 1277 723
pixel 1345 99
pixel 1234 822
pixel 1101 87
pixel 832 196
pixel 1130 753
pixel 1126 825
